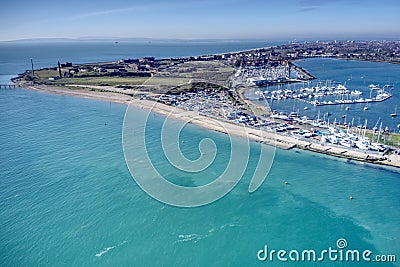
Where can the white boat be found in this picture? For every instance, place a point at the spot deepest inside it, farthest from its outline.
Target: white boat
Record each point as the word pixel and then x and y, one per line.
pixel 333 139
pixel 356 93
pixel 308 135
pixel 373 87
pixel 395 112
pixel 362 144
pixel 346 142
pixel 377 147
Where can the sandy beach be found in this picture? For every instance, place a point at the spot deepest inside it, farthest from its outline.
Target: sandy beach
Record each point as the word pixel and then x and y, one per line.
pixel 262 136
pixel 83 93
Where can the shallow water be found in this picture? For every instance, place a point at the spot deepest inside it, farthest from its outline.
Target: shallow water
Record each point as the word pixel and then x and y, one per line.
pixel 67 197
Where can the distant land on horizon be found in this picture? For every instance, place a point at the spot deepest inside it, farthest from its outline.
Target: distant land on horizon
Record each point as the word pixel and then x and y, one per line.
pixel 132 39
pixel 181 40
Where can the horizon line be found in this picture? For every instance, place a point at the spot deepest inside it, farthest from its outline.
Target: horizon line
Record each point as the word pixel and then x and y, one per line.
pixel 143 39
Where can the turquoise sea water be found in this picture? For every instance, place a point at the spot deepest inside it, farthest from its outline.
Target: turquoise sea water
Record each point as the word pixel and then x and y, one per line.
pixel 67 197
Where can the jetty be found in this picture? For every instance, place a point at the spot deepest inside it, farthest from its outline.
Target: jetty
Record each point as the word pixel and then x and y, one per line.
pixel 356 101
pixel 325 95
pixel 306 74
pixel 7 86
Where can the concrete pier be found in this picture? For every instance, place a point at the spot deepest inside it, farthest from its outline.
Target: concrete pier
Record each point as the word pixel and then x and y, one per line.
pixel 7 86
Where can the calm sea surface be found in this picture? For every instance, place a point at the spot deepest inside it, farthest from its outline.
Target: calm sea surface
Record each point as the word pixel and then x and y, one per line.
pixel 67 197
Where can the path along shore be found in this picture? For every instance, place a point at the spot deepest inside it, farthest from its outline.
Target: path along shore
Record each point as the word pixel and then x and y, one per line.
pixel 262 136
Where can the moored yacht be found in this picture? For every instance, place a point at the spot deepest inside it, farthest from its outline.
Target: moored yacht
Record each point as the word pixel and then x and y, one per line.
pixel 395 112
pixel 363 144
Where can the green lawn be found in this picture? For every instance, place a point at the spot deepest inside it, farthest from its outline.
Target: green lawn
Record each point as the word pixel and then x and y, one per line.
pixel 173 81
pixel 111 81
pixel 211 71
pixel 45 74
pixel 106 80
pixel 387 139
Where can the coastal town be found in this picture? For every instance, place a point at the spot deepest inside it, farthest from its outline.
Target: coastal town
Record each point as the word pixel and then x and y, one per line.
pixel 213 86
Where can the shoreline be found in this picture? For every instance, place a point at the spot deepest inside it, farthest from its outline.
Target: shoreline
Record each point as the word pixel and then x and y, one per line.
pixel 93 95
pixel 257 135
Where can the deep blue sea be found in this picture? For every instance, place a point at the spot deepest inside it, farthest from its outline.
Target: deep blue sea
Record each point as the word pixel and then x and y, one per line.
pixel 67 197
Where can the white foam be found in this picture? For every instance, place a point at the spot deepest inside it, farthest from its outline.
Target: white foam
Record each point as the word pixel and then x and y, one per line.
pixel 229 225
pixel 105 250
pixel 190 237
pixel 196 237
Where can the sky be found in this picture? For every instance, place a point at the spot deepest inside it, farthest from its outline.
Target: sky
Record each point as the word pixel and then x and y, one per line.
pixel 201 19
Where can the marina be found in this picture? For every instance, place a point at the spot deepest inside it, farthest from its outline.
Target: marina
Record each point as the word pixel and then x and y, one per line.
pixel 326 95
pixel 318 131
pixel 270 73
pixel 361 80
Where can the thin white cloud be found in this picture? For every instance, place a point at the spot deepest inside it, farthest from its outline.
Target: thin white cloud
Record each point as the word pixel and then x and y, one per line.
pixel 309 5
pixel 103 12
pixel 146 6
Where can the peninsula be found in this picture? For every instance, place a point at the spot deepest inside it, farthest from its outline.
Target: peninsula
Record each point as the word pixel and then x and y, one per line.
pixel 212 86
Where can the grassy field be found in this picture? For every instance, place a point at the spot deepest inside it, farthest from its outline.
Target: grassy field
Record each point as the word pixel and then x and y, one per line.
pixel 208 71
pixel 387 139
pixel 173 81
pixel 106 80
pixel 110 81
pixel 45 74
